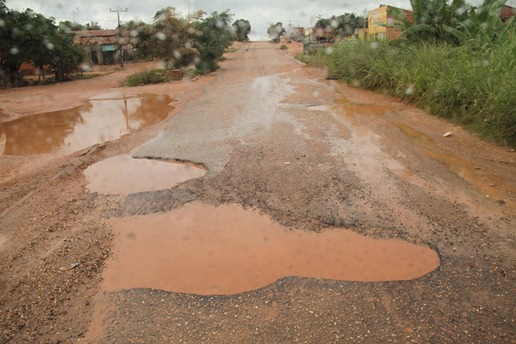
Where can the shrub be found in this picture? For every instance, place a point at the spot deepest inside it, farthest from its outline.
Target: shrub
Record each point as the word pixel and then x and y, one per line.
pixel 473 87
pixel 153 76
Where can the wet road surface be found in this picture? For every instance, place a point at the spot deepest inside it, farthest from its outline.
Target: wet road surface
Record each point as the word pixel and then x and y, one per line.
pixel 295 155
pixel 277 138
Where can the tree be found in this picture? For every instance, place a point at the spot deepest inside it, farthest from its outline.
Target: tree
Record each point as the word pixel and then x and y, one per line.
pixel 242 29
pixel 483 25
pixel 169 38
pixel 431 19
pixel 214 35
pixel 343 25
pixel 69 26
pixel 30 37
pixel 323 23
pixel 41 41
pixel 348 23
pixel 18 34
pixel 93 26
pixel 67 56
pixel 275 31
pixel 456 22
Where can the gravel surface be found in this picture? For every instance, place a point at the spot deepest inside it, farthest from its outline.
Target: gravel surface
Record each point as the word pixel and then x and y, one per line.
pixel 310 153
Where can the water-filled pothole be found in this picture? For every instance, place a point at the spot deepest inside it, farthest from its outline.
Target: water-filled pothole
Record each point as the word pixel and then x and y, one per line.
pixel 124 175
pixel 98 120
pixel 209 250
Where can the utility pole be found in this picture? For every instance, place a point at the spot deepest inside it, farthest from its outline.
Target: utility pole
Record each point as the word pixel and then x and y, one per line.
pixel 118 10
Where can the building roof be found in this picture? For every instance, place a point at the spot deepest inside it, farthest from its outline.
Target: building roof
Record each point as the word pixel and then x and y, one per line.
pixel 99 37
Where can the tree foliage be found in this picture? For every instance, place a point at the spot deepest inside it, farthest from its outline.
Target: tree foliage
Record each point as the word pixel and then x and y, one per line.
pixel 69 26
pixel 198 40
pixel 242 28
pixel 343 25
pixel 93 25
pixel 456 23
pixel 483 25
pixel 214 35
pixel 30 37
pixel 169 37
pixel 275 31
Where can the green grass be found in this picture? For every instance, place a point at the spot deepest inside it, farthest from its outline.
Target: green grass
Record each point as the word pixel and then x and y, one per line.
pixel 305 58
pixel 472 87
pixel 152 76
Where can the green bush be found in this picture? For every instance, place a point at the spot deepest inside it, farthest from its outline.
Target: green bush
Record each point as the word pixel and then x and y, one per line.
pixel 153 76
pixel 473 87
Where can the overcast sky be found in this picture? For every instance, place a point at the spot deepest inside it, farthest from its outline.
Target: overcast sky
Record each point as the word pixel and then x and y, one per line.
pixel 261 13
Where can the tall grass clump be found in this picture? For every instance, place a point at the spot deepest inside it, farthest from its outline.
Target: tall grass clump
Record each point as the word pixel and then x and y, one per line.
pixel 153 76
pixel 475 87
pixel 148 76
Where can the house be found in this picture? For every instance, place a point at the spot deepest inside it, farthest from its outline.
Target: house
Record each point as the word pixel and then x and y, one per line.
pixel 382 22
pixel 105 46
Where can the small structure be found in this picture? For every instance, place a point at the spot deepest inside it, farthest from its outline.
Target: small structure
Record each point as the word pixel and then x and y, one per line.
pixel 382 20
pixel 323 35
pixel 105 46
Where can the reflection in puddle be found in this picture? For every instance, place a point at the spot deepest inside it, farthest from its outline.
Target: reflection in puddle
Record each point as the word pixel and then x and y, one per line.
pixel 124 175
pixel 205 250
pixel 98 120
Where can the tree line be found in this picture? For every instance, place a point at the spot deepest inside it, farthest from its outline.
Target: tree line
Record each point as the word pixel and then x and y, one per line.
pixel 342 26
pixel 196 40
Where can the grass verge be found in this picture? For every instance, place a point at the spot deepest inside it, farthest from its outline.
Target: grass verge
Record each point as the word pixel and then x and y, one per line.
pixel 472 87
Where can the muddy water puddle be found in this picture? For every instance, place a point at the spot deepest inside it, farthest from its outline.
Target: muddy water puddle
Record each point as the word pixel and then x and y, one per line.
pixel 209 250
pixel 482 179
pixel 98 120
pixel 124 175
pixel 353 108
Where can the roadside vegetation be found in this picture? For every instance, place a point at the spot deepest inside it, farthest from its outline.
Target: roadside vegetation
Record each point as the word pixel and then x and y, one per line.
pixel 29 36
pixel 153 76
pixel 196 42
pixel 455 60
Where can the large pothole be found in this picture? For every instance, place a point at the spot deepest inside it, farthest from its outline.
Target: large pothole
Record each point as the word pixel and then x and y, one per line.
pixel 206 250
pixel 98 120
pixel 124 175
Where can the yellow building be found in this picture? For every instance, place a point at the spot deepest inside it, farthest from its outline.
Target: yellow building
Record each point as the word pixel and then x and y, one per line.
pixel 382 22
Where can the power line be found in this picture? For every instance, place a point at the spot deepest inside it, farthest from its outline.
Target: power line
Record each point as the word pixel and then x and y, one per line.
pixel 118 10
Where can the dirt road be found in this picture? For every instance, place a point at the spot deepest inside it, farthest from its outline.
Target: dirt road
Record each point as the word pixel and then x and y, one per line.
pixel 289 150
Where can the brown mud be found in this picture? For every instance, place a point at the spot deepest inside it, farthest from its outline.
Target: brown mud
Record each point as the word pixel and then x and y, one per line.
pixel 342 165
